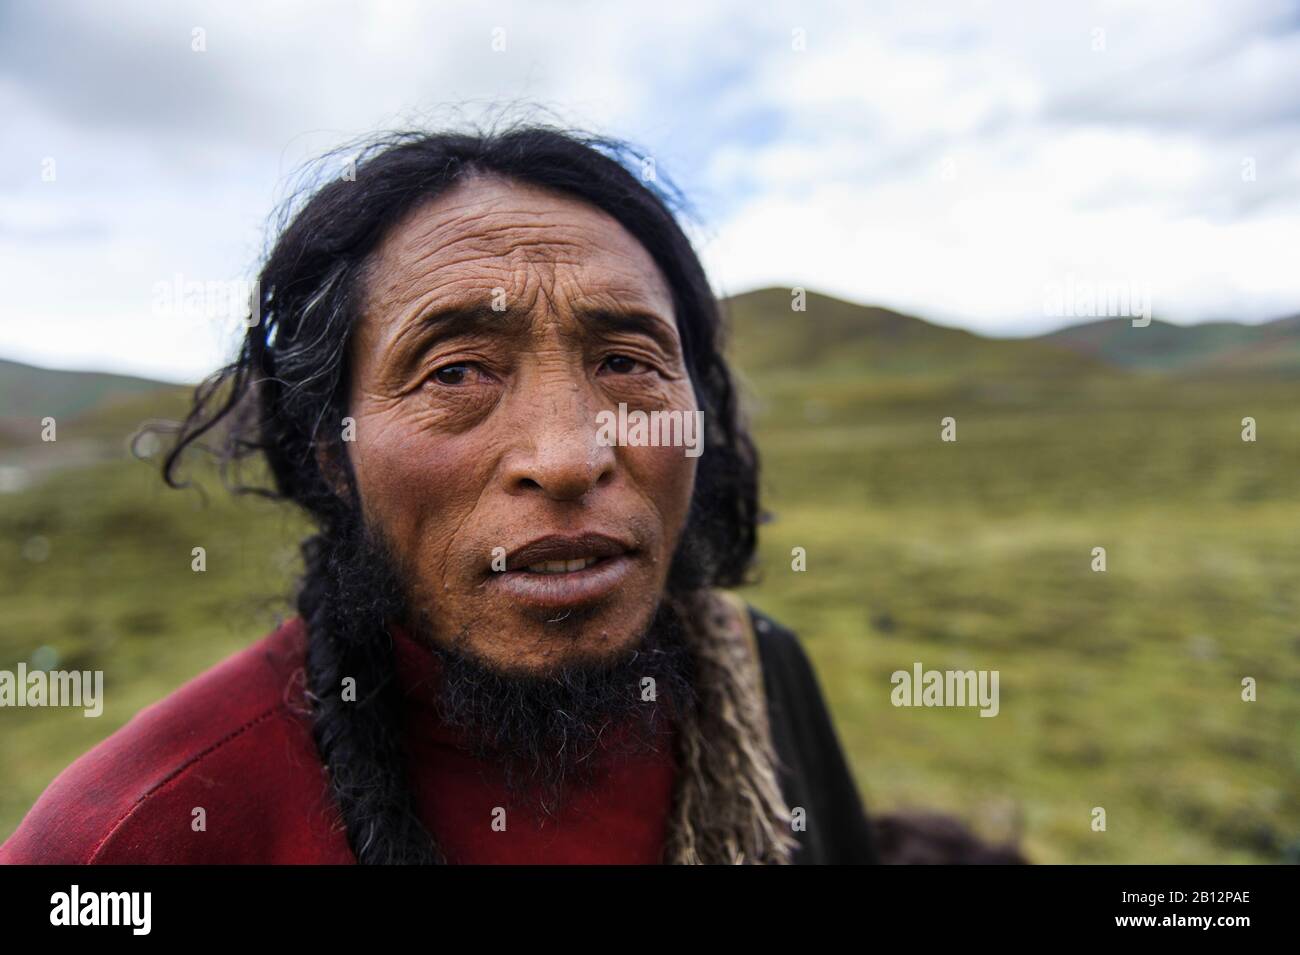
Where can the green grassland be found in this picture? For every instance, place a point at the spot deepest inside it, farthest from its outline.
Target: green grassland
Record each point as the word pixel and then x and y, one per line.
pixel 1118 689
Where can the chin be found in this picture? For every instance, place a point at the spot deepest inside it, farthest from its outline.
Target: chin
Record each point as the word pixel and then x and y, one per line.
pixel 529 641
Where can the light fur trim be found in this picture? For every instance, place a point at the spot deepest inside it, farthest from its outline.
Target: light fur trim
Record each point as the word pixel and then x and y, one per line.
pixel 728 807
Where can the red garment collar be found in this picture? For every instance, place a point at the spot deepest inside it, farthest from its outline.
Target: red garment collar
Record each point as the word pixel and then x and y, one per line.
pixel 419 669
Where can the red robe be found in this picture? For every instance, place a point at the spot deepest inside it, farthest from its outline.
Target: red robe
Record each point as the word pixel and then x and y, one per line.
pixel 236 742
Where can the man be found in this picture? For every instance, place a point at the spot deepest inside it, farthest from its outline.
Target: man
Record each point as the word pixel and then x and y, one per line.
pixel 513 645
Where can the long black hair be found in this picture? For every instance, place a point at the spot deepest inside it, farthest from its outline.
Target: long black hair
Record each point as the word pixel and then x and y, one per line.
pixel 282 397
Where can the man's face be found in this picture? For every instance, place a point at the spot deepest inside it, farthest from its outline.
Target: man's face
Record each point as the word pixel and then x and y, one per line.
pixel 477 429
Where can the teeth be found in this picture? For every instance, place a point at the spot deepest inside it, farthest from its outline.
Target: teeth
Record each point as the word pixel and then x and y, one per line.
pixel 561 566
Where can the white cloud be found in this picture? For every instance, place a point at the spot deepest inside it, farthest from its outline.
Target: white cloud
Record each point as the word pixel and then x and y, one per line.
pixel 948 159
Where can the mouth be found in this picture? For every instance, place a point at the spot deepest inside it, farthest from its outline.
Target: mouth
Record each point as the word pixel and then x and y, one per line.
pixel 565 572
pixel 562 566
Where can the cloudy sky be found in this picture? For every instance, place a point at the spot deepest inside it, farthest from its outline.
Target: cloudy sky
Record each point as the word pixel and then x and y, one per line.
pixel 955 161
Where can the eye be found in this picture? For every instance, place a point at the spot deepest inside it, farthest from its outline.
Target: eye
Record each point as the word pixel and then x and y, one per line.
pixel 457 374
pixel 622 365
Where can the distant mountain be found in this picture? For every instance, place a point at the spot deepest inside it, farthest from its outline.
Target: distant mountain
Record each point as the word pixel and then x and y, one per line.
pixel 26 390
pixel 1210 347
pixel 829 336
pixel 87 406
pixel 833 334
pixel 767 334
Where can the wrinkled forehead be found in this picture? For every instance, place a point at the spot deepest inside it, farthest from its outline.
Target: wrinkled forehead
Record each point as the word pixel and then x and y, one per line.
pixel 491 238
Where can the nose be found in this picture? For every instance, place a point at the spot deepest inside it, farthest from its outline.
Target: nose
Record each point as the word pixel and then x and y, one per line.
pixel 556 450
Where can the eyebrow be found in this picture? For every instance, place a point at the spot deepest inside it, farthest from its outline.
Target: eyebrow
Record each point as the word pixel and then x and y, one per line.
pixel 469 319
pixel 477 318
pixel 633 320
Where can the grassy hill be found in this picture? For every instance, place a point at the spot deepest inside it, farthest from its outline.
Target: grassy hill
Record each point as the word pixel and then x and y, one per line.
pixel 94 416
pixel 832 335
pixel 1208 348
pixel 29 394
pixel 1119 689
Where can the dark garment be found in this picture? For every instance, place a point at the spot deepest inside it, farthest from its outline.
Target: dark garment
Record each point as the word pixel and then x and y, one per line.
pixel 814 775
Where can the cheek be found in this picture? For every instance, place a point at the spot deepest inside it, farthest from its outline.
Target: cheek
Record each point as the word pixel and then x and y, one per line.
pixel 666 476
pixel 416 487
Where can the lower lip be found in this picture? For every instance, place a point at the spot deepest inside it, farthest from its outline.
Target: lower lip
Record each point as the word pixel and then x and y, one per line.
pixel 567 591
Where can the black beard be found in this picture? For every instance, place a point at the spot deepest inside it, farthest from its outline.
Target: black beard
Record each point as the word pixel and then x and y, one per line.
pixel 541 730
pixel 544 730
